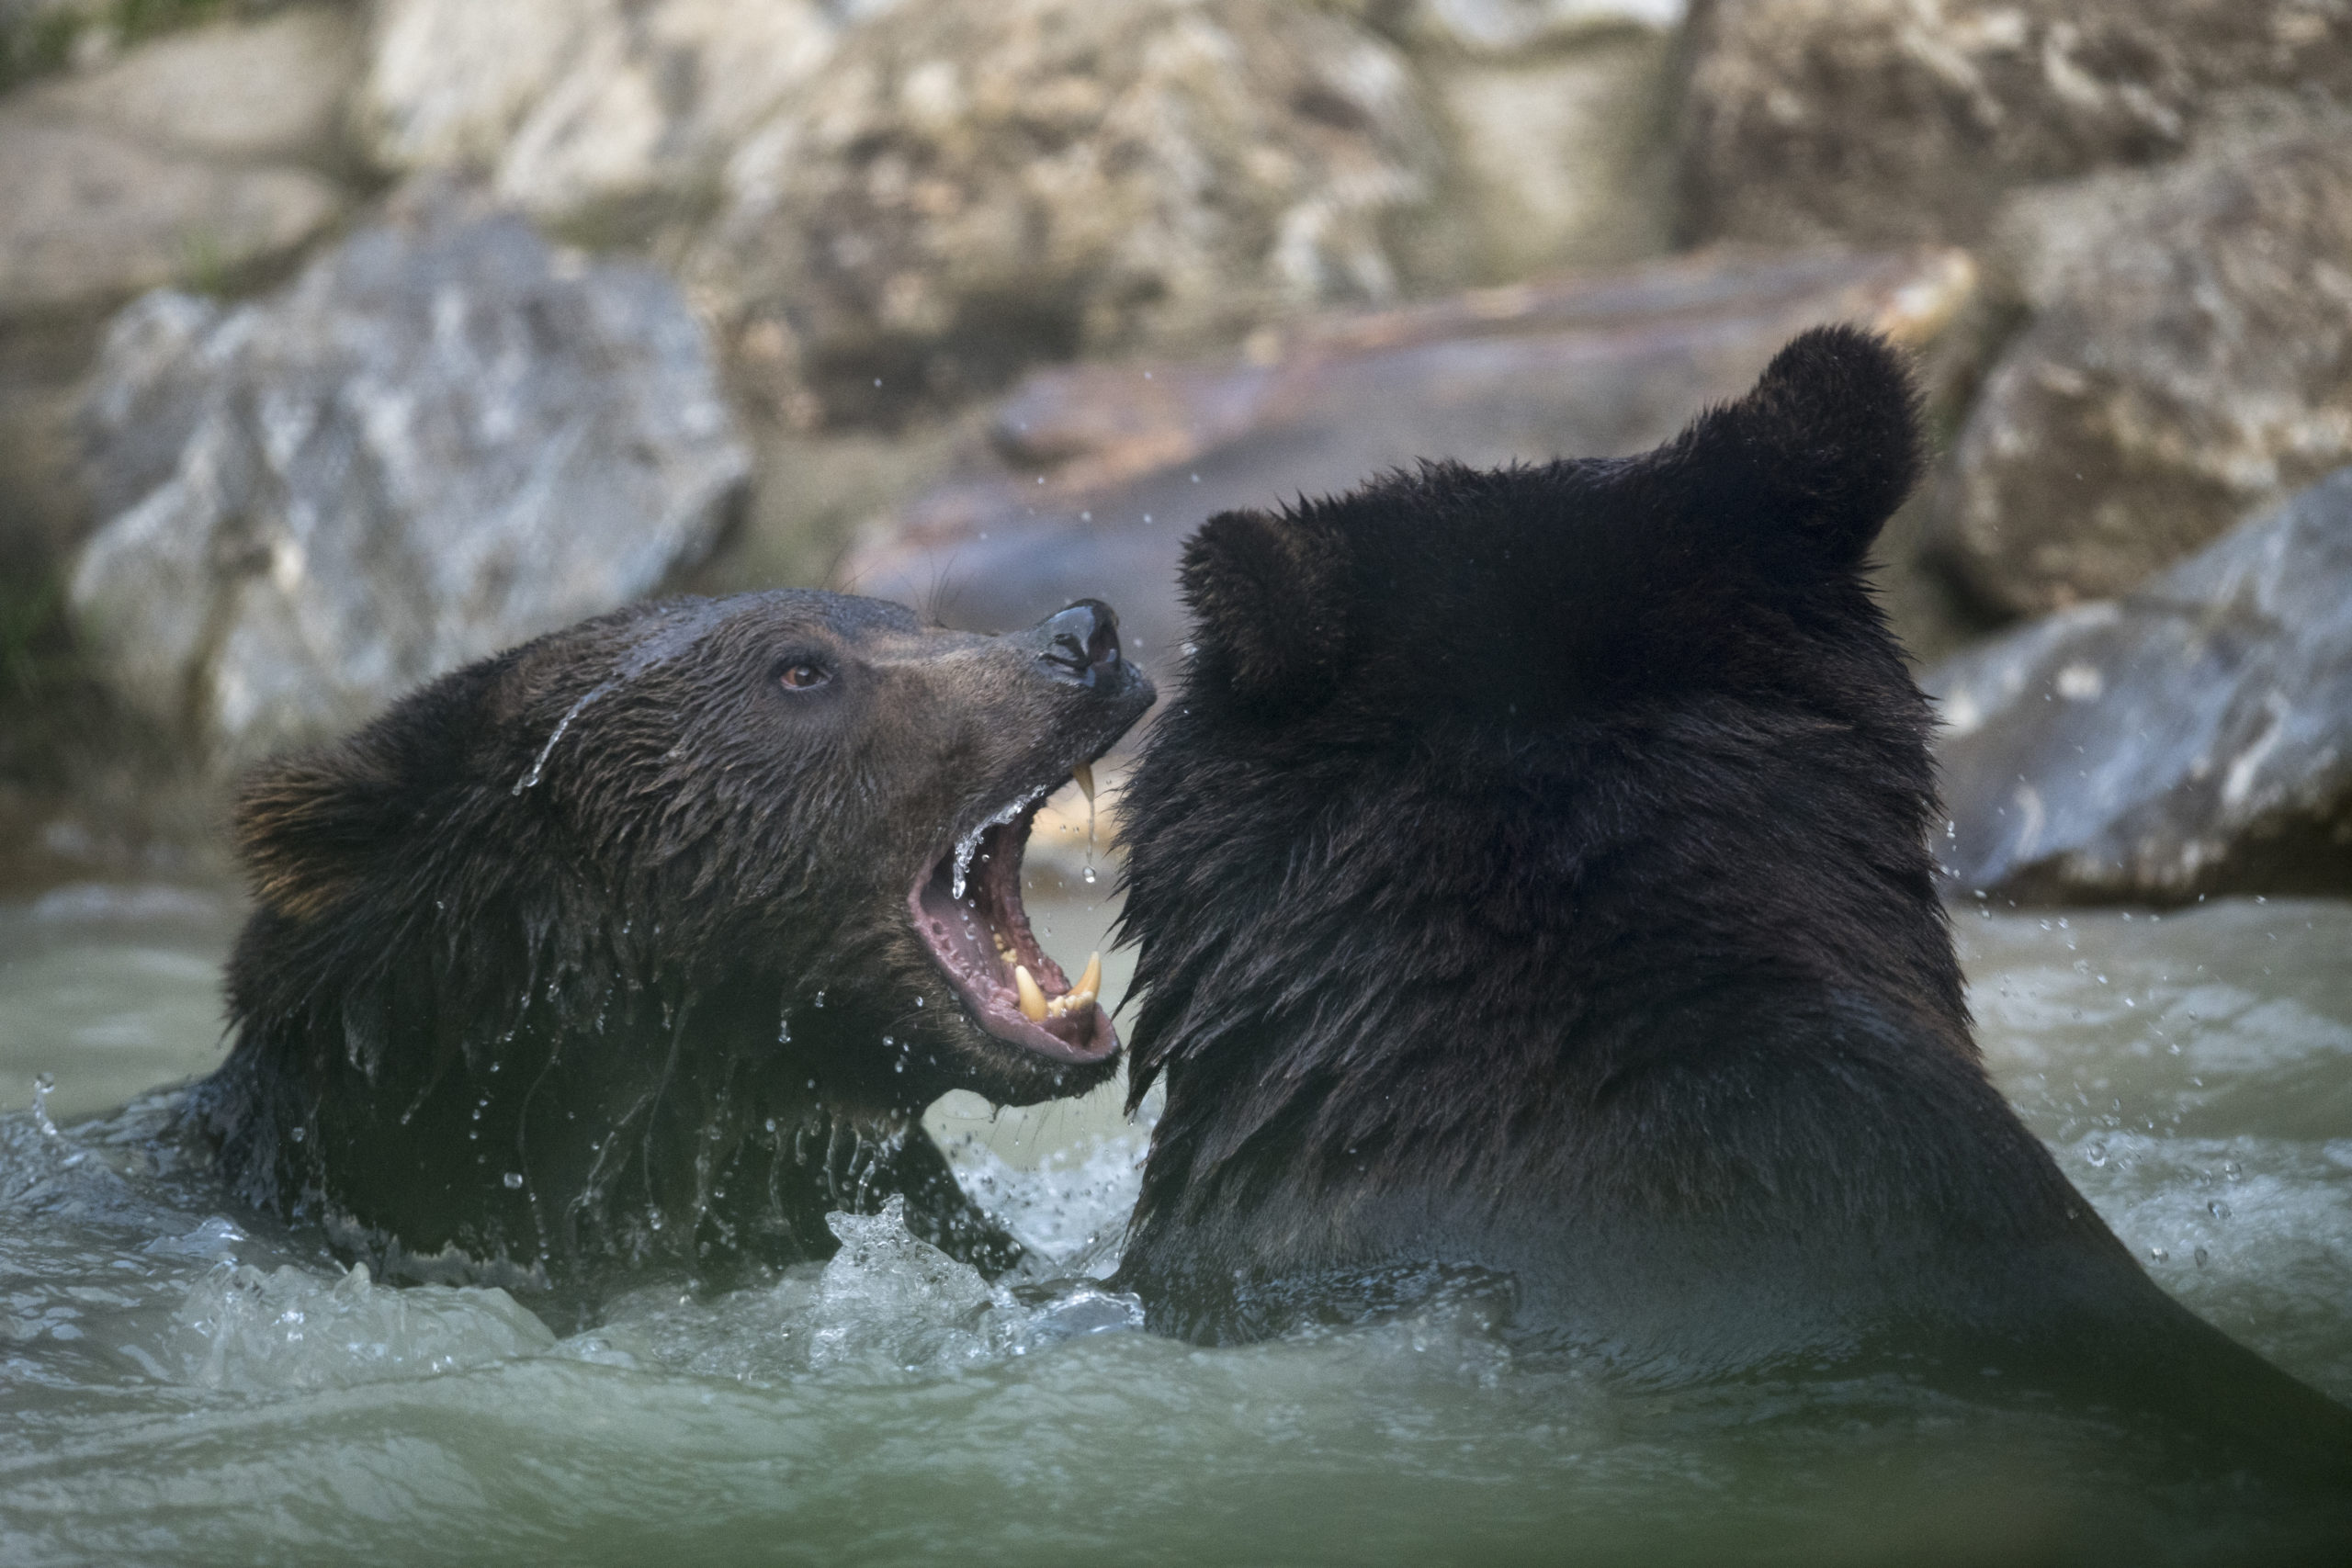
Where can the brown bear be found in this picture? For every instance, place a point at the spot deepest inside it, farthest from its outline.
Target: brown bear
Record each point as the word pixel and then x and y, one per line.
pixel 1530 883
pixel 650 941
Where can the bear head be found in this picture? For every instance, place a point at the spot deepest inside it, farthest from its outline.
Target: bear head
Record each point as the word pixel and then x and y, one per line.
pixel 597 935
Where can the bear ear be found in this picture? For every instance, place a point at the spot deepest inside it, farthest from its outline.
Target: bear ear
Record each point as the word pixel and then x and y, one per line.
pixel 1829 441
pixel 309 828
pixel 1268 611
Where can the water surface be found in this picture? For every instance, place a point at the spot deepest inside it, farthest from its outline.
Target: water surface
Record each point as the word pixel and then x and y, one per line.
pixel 179 1385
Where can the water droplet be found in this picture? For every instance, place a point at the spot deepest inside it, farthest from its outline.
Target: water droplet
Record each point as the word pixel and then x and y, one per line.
pixel 1088 874
pixel 2203 1256
pixel 2232 1169
pixel 2160 1254
pixel 818 1000
pixel 2218 1209
pixel 299 1133
pixel 771 1124
pixel 514 1179
pixel 2096 1154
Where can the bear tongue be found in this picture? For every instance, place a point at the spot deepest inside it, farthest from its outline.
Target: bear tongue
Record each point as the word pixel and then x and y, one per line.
pixel 969 913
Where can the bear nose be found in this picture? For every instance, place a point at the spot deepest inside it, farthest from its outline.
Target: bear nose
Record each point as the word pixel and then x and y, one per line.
pixel 1082 639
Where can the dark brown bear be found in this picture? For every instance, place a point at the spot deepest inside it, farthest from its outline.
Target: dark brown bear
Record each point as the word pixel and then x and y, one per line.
pixel 1532 879
pixel 650 940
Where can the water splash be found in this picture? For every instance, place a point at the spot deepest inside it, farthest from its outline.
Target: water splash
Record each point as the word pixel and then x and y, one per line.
pixel 969 844
pixel 538 766
pixel 682 627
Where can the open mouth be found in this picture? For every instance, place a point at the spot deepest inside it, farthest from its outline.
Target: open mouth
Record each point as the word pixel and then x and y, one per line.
pixel 967 911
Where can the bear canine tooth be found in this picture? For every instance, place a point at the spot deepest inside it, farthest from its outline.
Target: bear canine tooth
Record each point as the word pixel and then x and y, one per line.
pixel 1092 981
pixel 1083 775
pixel 1033 1001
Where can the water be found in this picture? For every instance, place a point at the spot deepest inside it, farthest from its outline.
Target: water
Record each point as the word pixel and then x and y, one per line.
pixel 178 1384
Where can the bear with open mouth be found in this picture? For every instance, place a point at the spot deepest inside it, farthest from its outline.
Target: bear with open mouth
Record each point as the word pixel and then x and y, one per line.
pixel 1532 884
pixel 649 941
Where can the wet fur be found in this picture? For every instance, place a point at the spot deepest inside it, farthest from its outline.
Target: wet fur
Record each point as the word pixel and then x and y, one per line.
pixel 1532 877
pixel 589 980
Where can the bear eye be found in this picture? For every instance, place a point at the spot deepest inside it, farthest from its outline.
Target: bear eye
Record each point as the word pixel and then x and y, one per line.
pixel 801 674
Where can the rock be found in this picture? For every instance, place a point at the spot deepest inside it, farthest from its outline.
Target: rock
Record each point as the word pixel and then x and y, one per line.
pixel 193 159
pixel 1902 120
pixel 269 92
pixel 443 438
pixel 577 106
pixel 1560 153
pixel 2189 362
pixel 88 217
pixel 1511 27
pixel 1097 472
pixel 966 188
pixel 2194 737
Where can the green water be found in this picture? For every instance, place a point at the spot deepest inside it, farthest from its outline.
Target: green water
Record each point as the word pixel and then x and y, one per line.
pixel 175 1389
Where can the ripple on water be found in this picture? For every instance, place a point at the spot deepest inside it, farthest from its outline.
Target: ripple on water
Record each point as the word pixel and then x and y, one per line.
pixel 184 1384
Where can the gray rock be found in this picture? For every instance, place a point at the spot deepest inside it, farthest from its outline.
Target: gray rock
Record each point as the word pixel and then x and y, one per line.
pixel 443 438
pixel 2189 362
pixel 2194 737
pixel 1901 121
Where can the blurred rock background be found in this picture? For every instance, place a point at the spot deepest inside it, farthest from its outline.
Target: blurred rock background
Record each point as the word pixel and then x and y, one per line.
pixel 342 343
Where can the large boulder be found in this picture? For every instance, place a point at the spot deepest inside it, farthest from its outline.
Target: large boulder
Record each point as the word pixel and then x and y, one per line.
pixel 444 437
pixel 2189 362
pixel 1903 121
pixel 967 188
pixel 1093 474
pixel 2194 737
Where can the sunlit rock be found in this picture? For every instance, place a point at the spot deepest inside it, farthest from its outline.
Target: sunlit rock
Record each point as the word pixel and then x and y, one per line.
pixel 2189 362
pixel 272 89
pixel 1559 125
pixel 2193 736
pixel 575 106
pixel 966 188
pixel 188 159
pixel 443 438
pixel 1902 120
